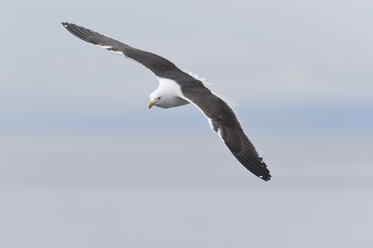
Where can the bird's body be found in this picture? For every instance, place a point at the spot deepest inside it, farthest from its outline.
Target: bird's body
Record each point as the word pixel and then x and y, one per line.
pixel 177 88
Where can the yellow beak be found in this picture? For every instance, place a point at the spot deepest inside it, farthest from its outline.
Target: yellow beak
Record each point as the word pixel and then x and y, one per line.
pixel 151 104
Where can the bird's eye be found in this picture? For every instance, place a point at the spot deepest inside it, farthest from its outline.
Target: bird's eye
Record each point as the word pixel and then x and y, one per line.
pixel 159 98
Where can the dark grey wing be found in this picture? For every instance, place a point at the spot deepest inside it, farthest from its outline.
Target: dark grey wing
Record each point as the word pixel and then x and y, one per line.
pixel 158 65
pixel 223 121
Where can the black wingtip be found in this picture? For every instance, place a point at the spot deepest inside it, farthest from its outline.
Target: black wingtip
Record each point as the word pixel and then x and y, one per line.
pixel 266 177
pixel 265 174
pixel 67 25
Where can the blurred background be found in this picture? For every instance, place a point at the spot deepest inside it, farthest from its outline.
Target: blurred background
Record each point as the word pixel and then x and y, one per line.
pixel 84 163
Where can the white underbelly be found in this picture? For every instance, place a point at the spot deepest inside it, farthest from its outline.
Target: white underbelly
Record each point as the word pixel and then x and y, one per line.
pixel 174 102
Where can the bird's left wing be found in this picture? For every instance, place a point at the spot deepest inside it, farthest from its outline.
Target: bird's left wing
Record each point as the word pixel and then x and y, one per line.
pixel 157 64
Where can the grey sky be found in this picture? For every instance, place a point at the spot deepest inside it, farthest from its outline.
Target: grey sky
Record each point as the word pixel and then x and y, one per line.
pixel 84 163
pixel 126 190
pixel 295 54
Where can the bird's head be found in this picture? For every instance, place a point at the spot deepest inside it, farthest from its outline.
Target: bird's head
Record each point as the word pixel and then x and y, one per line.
pixel 155 102
pixel 164 97
pixel 157 99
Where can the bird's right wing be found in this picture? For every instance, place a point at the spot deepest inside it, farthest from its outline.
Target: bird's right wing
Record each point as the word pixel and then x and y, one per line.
pixel 157 64
pixel 223 120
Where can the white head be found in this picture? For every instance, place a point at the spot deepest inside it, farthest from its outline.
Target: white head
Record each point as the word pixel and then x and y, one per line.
pixel 164 98
pixel 167 95
pixel 158 98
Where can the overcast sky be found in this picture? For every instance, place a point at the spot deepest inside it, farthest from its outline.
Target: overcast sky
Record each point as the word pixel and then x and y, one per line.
pixel 284 62
pixel 84 163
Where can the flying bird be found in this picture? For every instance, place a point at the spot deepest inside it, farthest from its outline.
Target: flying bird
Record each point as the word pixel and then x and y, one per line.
pixel 177 88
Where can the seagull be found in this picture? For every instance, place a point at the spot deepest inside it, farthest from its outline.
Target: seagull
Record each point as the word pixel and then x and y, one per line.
pixel 177 88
